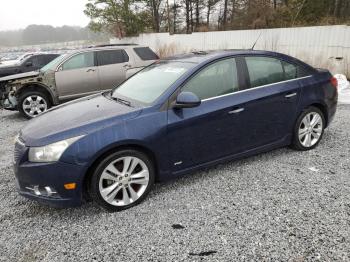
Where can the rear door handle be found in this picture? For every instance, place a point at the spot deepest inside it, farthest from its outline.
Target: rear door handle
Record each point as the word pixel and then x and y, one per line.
pixel 90 70
pixel 126 66
pixel 289 95
pixel 236 111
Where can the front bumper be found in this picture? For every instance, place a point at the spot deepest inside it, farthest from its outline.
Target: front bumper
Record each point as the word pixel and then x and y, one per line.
pixel 35 180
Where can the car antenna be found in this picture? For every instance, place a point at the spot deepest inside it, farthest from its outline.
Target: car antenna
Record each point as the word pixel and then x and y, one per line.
pixel 256 41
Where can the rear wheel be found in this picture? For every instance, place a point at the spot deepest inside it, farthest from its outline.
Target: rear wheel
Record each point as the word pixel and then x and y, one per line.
pixel 33 103
pixel 309 128
pixel 122 180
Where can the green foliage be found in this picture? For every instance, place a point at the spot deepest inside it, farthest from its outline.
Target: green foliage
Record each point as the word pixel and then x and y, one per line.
pixel 119 17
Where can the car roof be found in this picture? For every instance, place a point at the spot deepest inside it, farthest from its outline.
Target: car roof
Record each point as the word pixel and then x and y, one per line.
pixel 201 56
pixel 105 47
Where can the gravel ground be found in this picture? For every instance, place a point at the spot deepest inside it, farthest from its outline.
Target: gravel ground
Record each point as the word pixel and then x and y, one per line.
pixel 282 205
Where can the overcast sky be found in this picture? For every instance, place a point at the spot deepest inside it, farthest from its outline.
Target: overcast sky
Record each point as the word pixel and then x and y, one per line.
pixel 17 14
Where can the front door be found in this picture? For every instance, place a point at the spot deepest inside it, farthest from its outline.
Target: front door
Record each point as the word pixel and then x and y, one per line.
pixel 207 132
pixel 77 77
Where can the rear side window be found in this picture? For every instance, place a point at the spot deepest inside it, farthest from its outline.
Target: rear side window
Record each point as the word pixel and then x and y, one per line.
pixel 80 61
pixel 292 71
pixel 109 57
pixel 145 53
pixel 264 70
pixel 219 78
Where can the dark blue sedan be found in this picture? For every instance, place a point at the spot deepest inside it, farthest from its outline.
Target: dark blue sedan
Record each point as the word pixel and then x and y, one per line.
pixel 173 117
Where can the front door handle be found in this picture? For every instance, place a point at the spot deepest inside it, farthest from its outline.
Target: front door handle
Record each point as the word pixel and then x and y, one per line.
pixel 289 95
pixel 236 110
pixel 90 70
pixel 127 66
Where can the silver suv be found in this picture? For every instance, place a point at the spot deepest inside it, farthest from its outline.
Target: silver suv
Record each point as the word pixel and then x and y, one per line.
pixel 73 75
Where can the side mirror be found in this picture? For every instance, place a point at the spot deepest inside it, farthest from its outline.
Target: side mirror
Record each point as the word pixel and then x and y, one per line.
pixel 187 100
pixel 29 64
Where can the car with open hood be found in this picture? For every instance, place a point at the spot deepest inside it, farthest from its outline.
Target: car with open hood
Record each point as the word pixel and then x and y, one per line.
pixel 73 75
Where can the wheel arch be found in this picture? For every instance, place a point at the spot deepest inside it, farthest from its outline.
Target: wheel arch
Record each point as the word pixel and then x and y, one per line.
pixel 106 152
pixel 323 109
pixel 37 87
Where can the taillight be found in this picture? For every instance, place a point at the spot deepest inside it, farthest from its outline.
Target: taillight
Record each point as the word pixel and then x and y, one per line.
pixel 334 82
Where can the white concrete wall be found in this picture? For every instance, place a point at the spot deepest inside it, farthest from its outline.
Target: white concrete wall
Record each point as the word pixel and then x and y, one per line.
pixel 320 46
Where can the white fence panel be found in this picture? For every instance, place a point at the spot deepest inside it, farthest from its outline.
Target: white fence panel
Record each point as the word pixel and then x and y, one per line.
pixel 320 46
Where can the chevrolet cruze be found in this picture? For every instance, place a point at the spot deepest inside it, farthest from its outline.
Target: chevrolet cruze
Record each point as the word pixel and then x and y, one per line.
pixel 174 116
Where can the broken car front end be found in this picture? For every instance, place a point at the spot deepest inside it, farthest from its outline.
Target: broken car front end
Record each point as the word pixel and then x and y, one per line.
pixel 8 98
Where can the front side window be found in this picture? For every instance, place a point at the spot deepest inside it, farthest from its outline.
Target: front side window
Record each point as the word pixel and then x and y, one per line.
pixel 219 78
pixel 264 70
pixel 110 57
pixel 34 60
pixel 41 60
pixel 80 61
pixel 151 82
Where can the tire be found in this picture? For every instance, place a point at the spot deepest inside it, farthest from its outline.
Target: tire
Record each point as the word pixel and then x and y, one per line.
pixel 38 104
pixel 308 129
pixel 115 190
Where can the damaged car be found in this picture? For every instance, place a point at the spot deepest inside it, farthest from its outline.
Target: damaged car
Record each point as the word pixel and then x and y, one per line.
pixel 25 63
pixel 73 75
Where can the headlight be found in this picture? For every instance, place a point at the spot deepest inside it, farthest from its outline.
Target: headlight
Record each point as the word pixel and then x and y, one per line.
pixel 52 152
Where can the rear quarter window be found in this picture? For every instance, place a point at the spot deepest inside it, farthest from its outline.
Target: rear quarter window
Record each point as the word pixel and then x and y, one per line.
pixel 145 53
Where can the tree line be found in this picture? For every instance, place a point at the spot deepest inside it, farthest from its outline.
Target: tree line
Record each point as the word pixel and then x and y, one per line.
pixel 42 34
pixel 131 17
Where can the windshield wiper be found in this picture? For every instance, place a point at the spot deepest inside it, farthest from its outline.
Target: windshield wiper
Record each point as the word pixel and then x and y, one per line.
pixel 122 101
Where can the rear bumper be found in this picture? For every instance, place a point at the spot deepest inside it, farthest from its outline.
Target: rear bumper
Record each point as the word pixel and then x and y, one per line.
pixel 44 182
pixel 332 108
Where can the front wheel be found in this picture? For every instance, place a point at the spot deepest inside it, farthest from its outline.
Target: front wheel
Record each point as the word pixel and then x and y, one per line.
pixel 122 180
pixel 33 103
pixel 308 129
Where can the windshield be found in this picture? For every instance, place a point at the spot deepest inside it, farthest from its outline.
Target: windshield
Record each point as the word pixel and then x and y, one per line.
pixel 150 83
pixel 53 64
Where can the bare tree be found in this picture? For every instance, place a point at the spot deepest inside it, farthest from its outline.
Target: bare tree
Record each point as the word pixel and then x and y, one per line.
pixel 224 20
pixel 188 21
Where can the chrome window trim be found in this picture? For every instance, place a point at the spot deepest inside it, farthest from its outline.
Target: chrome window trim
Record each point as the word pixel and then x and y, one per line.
pixel 257 87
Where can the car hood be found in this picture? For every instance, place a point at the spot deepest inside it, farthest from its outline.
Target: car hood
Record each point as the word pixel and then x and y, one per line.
pixel 75 118
pixel 18 76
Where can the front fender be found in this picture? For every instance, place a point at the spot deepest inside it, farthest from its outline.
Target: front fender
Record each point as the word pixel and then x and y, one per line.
pixel 22 88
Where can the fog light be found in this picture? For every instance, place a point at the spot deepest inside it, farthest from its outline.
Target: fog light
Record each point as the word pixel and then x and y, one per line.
pixel 70 186
pixel 46 191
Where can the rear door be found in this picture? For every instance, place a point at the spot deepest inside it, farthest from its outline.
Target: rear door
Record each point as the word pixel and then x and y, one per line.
pixel 268 105
pixel 77 76
pixel 112 66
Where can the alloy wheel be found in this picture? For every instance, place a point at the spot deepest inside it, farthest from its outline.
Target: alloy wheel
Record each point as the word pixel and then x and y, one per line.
pixel 124 181
pixel 310 129
pixel 34 105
